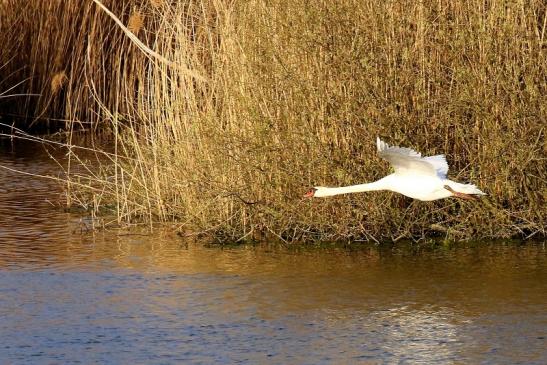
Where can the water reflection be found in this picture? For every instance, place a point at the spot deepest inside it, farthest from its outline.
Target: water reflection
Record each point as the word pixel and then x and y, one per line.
pixel 120 297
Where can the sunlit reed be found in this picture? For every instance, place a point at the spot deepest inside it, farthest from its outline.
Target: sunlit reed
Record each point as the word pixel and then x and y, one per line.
pixel 252 102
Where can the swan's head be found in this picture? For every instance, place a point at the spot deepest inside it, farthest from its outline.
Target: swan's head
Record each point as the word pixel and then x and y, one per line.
pixel 317 192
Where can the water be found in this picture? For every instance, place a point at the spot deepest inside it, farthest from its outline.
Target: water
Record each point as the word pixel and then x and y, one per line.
pixel 68 297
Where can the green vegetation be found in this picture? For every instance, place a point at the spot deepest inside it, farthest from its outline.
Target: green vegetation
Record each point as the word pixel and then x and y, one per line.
pixel 233 109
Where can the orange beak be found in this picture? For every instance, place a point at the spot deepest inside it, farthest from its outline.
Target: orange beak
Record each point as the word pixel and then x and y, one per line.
pixel 310 193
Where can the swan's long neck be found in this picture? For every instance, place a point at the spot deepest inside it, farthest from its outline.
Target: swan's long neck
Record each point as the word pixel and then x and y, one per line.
pixel 373 186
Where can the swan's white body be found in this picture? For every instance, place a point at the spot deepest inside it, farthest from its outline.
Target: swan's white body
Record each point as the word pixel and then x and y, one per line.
pixel 422 178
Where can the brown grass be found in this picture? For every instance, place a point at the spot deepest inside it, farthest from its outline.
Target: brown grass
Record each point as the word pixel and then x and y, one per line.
pixel 254 101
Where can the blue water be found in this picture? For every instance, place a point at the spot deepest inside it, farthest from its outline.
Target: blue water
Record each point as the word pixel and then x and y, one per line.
pixel 292 307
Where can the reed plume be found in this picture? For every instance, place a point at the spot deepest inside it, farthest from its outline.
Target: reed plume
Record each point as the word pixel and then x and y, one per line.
pixel 157 3
pixel 57 82
pixel 136 22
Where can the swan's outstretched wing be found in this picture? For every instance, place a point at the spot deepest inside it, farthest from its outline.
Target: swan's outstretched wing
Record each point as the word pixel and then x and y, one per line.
pixel 406 161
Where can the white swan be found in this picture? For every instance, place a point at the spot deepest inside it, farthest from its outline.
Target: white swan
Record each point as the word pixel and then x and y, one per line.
pixel 422 178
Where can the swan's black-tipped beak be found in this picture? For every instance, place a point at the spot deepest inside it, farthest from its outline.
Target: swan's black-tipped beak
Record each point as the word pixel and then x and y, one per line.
pixel 310 193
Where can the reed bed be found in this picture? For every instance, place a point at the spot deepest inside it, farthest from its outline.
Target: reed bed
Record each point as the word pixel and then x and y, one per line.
pixel 219 114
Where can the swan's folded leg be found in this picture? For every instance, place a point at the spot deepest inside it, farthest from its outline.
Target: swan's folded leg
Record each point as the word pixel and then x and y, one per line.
pixel 457 194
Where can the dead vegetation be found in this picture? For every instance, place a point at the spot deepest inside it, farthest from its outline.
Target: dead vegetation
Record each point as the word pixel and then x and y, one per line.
pixel 227 111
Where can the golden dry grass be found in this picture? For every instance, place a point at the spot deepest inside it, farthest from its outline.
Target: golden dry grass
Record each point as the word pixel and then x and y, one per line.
pixel 251 102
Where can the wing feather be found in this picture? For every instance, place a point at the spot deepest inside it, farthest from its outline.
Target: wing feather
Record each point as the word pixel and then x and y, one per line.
pixel 439 164
pixel 406 161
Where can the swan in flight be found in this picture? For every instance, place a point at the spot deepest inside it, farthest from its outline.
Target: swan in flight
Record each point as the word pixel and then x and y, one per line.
pixel 422 178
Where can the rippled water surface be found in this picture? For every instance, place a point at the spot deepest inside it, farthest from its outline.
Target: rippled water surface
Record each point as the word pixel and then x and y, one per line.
pixel 68 297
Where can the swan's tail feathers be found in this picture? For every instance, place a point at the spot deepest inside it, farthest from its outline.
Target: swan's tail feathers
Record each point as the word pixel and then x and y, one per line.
pixel 469 189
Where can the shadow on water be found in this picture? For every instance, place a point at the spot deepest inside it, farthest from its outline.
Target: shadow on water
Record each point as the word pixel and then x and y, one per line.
pixel 114 297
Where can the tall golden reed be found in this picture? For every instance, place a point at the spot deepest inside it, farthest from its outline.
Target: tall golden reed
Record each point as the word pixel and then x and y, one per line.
pixel 292 94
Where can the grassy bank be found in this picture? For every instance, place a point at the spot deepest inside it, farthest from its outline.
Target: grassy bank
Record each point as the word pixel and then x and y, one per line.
pixel 251 102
